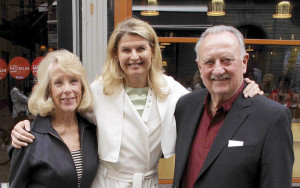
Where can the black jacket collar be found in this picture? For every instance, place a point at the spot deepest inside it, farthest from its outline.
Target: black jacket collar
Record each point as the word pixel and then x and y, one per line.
pixel 42 124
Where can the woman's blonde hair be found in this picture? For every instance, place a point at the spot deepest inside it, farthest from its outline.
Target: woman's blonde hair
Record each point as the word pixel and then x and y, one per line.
pixel 40 102
pixel 113 76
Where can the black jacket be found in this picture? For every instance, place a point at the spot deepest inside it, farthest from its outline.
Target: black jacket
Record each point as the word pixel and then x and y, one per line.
pixel 263 160
pixel 47 162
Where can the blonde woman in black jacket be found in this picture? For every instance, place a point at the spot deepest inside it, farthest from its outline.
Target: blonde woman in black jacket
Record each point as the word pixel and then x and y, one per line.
pixel 64 153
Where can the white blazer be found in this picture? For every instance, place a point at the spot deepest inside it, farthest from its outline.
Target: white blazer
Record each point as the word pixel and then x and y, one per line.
pixel 108 115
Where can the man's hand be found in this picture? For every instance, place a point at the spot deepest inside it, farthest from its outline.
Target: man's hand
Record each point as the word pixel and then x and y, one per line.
pixel 252 89
pixel 20 135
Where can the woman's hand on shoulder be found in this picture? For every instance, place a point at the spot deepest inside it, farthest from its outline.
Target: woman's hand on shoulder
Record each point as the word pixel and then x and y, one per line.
pixel 252 89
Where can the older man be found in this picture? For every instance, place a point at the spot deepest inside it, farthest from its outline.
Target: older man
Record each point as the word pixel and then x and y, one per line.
pixel 223 139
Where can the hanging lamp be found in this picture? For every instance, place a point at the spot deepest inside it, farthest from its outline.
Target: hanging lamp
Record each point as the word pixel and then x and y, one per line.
pixel 151 9
pixel 283 10
pixel 216 8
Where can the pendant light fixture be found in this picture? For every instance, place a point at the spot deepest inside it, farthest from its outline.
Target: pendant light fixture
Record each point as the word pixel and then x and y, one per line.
pixel 216 8
pixel 151 9
pixel 283 10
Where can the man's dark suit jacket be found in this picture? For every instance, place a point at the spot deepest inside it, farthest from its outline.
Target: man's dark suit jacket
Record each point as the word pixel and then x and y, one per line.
pixel 266 157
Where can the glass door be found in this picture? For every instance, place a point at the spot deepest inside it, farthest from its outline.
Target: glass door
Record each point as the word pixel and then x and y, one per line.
pixel 28 30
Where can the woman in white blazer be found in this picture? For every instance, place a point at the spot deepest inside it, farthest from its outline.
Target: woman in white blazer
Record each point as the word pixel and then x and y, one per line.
pixel 134 109
pixel 131 143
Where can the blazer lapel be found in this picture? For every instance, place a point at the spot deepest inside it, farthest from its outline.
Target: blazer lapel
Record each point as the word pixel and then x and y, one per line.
pixel 109 115
pixel 184 142
pixel 233 121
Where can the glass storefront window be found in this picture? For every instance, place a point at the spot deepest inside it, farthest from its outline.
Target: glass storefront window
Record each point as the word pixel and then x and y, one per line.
pixel 255 19
pixel 275 68
pixel 278 61
pixel 28 30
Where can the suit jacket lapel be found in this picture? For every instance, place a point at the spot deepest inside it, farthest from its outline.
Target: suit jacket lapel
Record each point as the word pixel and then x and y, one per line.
pixel 194 110
pixel 233 121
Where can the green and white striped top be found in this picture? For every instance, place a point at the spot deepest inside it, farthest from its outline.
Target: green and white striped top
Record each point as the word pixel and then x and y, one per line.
pixel 138 97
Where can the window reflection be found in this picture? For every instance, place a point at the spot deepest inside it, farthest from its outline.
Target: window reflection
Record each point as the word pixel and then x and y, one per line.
pixel 28 30
pixel 188 18
pixel 275 68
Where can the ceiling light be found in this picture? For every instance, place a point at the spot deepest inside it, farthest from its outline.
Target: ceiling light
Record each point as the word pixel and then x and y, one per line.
pixel 43 48
pixel 283 10
pixel 216 8
pixel 151 9
pixel 164 63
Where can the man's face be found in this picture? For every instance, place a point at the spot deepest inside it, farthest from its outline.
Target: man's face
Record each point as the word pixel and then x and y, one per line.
pixel 220 64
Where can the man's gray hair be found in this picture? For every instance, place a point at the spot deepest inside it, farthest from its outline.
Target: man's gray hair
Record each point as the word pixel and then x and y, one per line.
pixel 220 29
